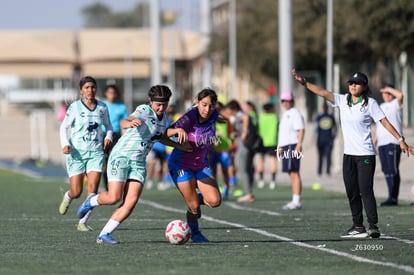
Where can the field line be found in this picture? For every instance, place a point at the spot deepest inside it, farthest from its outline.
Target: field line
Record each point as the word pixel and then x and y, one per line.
pixel 285 239
pixel 271 213
pixel 261 211
pixel 396 239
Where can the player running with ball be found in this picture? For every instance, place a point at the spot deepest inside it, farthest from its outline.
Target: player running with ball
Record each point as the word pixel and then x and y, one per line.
pixel 191 171
pixel 127 162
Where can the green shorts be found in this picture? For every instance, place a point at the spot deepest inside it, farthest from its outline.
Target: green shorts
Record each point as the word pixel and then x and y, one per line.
pixel 80 161
pixel 122 169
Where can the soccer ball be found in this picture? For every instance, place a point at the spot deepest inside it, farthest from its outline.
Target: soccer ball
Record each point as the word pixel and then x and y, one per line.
pixel 177 232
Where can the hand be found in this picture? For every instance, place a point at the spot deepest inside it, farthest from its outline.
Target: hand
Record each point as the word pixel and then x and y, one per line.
pixel 406 149
pixel 106 143
pixel 66 150
pixel 298 78
pixel 182 136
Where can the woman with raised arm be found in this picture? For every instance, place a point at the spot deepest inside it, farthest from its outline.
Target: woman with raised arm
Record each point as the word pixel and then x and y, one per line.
pixel 357 111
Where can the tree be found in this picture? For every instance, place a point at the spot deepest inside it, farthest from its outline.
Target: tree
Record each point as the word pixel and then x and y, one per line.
pixel 98 15
pixel 365 33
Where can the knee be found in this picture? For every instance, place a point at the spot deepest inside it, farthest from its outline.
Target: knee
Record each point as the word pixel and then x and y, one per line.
pixel 114 198
pixel 213 202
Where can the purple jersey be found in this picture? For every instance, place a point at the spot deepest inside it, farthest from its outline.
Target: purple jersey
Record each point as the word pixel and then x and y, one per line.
pixel 201 136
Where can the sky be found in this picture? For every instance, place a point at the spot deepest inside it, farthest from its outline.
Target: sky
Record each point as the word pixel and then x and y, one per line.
pixel 66 14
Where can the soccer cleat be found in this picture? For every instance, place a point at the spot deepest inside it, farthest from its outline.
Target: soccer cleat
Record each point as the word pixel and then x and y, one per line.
pixel 246 198
pixel 389 202
pixel 374 232
pixel 83 227
pixel 292 206
pixel 272 185
pixel 64 206
pixel 355 232
pixel 198 238
pixel 260 184
pixel 196 235
pixel 85 207
pixel 106 239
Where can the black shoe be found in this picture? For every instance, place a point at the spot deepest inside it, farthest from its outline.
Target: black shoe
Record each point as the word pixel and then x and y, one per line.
pixel 389 202
pixel 373 231
pixel 355 232
pixel 412 204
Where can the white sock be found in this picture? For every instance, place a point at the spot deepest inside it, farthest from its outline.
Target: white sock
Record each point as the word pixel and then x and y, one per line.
pixel 86 217
pixel 94 201
pixel 67 196
pixel 296 199
pixel 109 227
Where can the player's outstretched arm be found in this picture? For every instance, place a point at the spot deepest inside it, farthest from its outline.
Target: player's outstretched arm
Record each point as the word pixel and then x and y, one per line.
pixel 185 146
pixel 316 89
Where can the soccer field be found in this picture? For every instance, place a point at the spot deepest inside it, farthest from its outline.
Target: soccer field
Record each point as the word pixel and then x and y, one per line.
pixel 257 238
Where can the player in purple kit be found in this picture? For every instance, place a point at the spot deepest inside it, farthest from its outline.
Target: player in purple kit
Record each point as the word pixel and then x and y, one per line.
pixel 190 170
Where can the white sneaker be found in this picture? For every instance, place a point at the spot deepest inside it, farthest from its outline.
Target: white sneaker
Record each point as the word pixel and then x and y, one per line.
pixel 149 184
pixel 260 184
pixel 163 186
pixel 292 206
pixel 272 185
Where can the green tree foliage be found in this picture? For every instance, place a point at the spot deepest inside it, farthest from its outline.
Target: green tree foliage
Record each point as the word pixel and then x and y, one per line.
pixel 99 15
pixel 364 32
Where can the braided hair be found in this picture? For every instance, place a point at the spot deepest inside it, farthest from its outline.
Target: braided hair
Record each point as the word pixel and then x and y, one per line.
pixel 159 92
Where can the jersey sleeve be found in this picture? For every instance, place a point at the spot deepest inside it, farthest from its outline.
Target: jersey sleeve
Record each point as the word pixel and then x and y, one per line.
pixel 298 121
pixel 375 110
pixel 66 124
pixel 107 123
pixel 337 100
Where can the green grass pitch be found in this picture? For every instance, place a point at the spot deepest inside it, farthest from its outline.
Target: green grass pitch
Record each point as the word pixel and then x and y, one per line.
pixel 257 238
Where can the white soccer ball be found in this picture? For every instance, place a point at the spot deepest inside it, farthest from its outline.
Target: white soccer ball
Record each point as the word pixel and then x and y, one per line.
pixel 177 232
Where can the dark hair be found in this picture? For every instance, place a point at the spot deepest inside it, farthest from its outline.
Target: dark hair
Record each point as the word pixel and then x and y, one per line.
pixel 114 87
pixel 268 107
pixel 207 92
pixel 252 106
pixel 233 105
pixel 85 80
pixel 159 91
pixel 116 90
pixel 365 94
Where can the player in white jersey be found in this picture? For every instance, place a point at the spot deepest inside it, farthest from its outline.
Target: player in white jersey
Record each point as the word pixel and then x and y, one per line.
pixel 85 147
pixel 357 111
pixel 127 161
pixel 388 148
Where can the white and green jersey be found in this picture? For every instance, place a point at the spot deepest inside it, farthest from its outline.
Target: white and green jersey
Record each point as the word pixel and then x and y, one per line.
pixel 136 143
pixel 86 126
pixel 356 124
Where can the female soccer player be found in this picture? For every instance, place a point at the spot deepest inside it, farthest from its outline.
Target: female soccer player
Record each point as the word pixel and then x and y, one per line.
pixel 84 149
pixel 190 170
pixel 357 110
pixel 127 162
